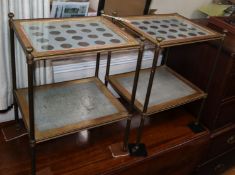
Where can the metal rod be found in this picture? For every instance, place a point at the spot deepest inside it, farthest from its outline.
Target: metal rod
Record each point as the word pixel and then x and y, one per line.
pixel 30 64
pixel 97 65
pixel 166 56
pixel 108 68
pixel 137 72
pixel 153 69
pixel 140 130
pixel 133 95
pixel 147 6
pixel 13 65
pixel 210 80
pixel 127 134
pixel 100 7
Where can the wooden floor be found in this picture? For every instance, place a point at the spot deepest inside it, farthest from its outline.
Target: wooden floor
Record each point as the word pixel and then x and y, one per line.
pixel 87 153
pixel 230 171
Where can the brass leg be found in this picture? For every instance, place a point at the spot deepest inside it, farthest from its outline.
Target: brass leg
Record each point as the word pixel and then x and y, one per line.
pixel 133 94
pixel 108 68
pixel 139 149
pixel 13 66
pixel 97 65
pixel 152 74
pixel 126 135
pixel 196 127
pixel 165 56
pixel 30 63
pixel 125 146
pixel 210 79
pixel 140 129
pixel 137 72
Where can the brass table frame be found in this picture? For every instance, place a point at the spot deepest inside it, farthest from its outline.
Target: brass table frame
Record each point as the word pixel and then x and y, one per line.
pixel 32 56
pixel 138 149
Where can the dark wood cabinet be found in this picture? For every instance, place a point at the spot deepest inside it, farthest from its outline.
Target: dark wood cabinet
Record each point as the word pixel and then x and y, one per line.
pixel 222 141
pixel 217 165
pixel 195 63
pixel 124 7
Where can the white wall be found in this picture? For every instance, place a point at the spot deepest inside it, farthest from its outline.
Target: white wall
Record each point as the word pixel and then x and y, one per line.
pixel 94 4
pixel 187 8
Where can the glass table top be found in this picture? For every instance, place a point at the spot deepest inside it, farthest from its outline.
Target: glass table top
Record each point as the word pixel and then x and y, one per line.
pixel 168 28
pixel 69 34
pixel 48 36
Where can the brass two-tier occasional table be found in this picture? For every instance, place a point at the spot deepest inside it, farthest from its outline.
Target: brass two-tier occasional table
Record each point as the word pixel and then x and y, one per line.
pixel 59 109
pixel 161 88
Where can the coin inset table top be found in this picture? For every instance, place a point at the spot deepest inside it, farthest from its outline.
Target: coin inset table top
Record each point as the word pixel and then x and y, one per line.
pixel 58 36
pixel 170 29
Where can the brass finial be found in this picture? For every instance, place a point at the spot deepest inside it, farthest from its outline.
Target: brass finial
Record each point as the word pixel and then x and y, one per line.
pixel 114 13
pixel 29 56
pixel 29 50
pixel 142 38
pixel 11 15
pixel 224 34
pixel 159 39
pixel 102 12
pixel 225 31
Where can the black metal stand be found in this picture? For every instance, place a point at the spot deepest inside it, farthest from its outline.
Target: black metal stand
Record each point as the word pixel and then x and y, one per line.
pixel 138 148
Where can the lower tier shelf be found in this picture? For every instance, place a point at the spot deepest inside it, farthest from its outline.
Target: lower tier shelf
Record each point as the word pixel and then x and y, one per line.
pixel 169 89
pixel 68 107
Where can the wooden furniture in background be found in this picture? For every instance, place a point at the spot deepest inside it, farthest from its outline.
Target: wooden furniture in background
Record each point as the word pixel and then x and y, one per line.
pixel 124 7
pixel 194 62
